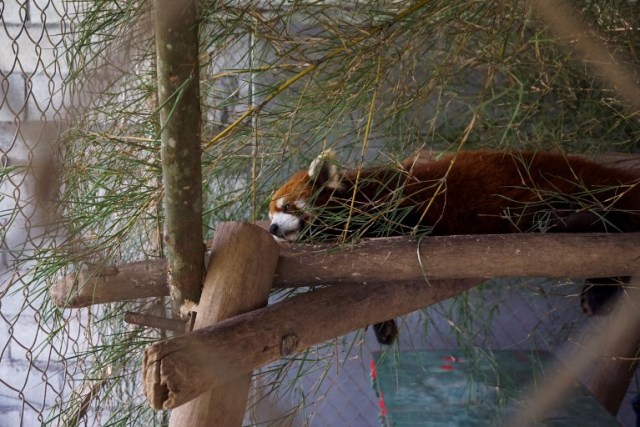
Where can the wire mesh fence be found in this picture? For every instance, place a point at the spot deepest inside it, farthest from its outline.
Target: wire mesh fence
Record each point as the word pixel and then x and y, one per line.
pixel 80 178
pixel 33 372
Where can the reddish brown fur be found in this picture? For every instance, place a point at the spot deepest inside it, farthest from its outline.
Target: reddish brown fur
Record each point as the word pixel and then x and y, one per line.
pixel 298 187
pixel 483 193
pixel 483 187
pixel 474 193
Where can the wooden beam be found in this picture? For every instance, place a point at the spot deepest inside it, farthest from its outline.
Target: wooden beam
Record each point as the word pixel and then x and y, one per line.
pixel 237 281
pixel 179 369
pixel 159 322
pixel 94 284
pixel 459 257
pixel 392 260
pixel 177 44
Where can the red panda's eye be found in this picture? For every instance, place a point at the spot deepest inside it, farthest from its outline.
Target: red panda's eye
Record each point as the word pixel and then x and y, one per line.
pixel 286 207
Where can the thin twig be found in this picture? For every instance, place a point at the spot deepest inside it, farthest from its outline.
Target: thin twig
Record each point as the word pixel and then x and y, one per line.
pixel 365 144
pixel 156 322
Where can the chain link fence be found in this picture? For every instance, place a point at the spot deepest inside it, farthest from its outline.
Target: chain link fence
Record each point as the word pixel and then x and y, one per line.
pixel 80 366
pixel 35 374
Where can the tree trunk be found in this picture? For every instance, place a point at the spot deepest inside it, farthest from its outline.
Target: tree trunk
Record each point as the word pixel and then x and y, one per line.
pixel 237 281
pixel 179 97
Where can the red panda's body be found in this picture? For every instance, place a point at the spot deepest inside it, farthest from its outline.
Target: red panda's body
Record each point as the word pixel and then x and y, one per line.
pixel 468 193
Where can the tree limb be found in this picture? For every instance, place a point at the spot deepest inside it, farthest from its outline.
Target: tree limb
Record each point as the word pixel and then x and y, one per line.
pixel 179 369
pixel 391 260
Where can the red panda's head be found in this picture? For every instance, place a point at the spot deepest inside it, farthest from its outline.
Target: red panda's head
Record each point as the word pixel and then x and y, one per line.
pixel 290 209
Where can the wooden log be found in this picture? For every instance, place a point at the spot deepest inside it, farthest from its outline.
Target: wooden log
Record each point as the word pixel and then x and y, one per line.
pixel 159 322
pixel 98 285
pixel 177 59
pixel 393 260
pixel 459 257
pixel 178 369
pixel 238 280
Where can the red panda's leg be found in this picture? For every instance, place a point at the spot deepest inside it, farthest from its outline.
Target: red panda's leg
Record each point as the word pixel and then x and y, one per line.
pixel 386 332
pixel 598 294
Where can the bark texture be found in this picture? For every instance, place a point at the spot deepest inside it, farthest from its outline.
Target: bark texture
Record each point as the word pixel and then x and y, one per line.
pixel 237 282
pixel 176 24
pixel 392 260
pixel 179 369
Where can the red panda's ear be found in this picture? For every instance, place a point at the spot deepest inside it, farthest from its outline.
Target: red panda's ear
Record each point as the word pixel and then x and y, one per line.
pixel 324 171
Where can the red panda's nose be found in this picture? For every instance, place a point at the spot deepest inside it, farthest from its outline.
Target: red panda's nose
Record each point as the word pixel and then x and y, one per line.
pixel 274 229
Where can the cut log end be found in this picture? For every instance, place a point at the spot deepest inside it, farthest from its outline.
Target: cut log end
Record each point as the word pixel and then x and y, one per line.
pixel 157 393
pixel 164 382
pixel 61 291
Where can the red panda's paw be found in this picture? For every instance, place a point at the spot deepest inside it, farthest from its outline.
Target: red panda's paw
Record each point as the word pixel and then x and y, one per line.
pixel 598 296
pixel 386 332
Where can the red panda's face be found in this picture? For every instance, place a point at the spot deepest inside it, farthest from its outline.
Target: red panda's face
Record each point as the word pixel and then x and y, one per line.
pixel 289 209
pixel 286 210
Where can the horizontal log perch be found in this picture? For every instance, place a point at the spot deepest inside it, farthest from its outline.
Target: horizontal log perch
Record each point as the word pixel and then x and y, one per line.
pixel 98 284
pixel 459 257
pixel 392 259
pixel 179 369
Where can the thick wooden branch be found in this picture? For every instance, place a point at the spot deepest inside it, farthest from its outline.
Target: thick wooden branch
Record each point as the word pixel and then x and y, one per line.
pixel 98 285
pixel 159 322
pixel 178 369
pixel 237 281
pixel 393 260
pixel 459 257
pixel 176 25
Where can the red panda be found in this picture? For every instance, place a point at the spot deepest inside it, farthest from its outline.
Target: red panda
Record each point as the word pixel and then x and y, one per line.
pixel 481 192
